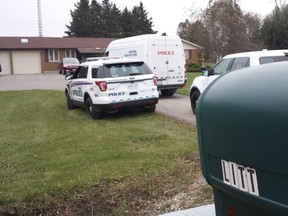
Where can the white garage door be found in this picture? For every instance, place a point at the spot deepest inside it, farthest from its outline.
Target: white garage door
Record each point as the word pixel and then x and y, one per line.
pixel 5 63
pixel 26 62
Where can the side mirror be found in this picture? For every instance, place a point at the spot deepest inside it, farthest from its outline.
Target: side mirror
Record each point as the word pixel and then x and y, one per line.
pixel 205 73
pixel 68 77
pixel 204 70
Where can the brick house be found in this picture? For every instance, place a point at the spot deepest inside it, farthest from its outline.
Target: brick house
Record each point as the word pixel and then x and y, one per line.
pixel 22 55
pixel 192 51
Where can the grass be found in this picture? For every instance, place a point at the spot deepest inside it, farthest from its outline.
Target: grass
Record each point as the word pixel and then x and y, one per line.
pixel 190 78
pixel 49 151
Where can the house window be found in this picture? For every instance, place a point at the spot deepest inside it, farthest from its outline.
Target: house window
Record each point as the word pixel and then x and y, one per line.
pixel 53 55
pixel 70 53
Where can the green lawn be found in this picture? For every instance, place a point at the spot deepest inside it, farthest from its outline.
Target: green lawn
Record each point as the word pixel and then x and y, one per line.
pixel 47 150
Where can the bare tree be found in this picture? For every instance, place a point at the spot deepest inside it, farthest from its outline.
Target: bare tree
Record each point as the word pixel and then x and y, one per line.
pixel 225 26
pixel 222 29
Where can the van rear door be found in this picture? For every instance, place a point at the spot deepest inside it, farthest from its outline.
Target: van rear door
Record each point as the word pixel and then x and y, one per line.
pixel 167 60
pixel 176 62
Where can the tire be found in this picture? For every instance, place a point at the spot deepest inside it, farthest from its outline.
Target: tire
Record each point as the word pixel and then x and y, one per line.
pixel 92 113
pixel 168 92
pixel 70 104
pixel 150 109
pixel 194 99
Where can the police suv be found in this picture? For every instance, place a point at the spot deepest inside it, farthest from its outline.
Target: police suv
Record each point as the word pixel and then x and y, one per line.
pixel 229 63
pixel 109 84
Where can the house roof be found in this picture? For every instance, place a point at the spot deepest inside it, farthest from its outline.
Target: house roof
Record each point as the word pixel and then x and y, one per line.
pixel 83 45
pixel 91 45
pixel 192 45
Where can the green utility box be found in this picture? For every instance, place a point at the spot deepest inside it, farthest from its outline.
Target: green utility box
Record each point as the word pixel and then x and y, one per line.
pixel 242 123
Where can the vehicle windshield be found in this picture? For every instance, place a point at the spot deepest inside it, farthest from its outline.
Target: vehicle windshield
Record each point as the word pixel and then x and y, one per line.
pixel 126 69
pixel 70 61
pixel 221 67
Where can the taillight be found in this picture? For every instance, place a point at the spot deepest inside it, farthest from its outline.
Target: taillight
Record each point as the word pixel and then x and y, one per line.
pixel 185 71
pixel 155 80
pixel 185 75
pixel 102 85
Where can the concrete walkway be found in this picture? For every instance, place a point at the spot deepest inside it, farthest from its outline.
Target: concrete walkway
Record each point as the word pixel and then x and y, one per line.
pixel 207 210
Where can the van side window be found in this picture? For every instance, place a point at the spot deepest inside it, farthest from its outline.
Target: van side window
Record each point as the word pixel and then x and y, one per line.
pixel 240 62
pixel 222 66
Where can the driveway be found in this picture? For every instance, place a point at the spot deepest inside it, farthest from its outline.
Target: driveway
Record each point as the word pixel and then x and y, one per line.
pixel 177 106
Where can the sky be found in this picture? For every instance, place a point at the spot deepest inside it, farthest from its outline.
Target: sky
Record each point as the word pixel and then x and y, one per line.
pixel 20 17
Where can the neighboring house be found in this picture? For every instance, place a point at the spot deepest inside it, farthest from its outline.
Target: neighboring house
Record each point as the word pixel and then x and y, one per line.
pixel 26 55
pixel 192 51
pixel 29 55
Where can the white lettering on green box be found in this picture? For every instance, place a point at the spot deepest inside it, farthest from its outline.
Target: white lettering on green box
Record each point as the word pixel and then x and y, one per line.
pixel 238 176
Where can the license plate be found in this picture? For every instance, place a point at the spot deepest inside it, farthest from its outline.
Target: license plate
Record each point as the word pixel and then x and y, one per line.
pixel 132 86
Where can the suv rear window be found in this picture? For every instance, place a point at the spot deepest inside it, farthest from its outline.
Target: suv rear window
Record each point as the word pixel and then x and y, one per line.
pixel 124 69
pixel 270 59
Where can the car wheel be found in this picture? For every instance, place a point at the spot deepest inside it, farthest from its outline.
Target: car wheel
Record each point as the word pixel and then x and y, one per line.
pixel 150 109
pixel 194 99
pixel 92 113
pixel 168 92
pixel 70 104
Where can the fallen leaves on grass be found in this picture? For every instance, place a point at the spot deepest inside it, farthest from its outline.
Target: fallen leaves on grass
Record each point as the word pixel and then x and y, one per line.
pixel 156 194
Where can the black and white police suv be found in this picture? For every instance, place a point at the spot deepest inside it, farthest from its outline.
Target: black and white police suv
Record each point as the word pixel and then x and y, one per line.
pixel 109 84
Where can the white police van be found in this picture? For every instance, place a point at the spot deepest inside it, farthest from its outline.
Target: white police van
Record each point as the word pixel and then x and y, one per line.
pixel 229 63
pixel 109 84
pixel 164 54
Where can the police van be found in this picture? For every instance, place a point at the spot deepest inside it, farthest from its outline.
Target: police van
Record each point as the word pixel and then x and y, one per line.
pixel 162 53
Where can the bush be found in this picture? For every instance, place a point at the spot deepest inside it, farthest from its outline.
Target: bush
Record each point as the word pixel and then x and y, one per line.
pixel 192 67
